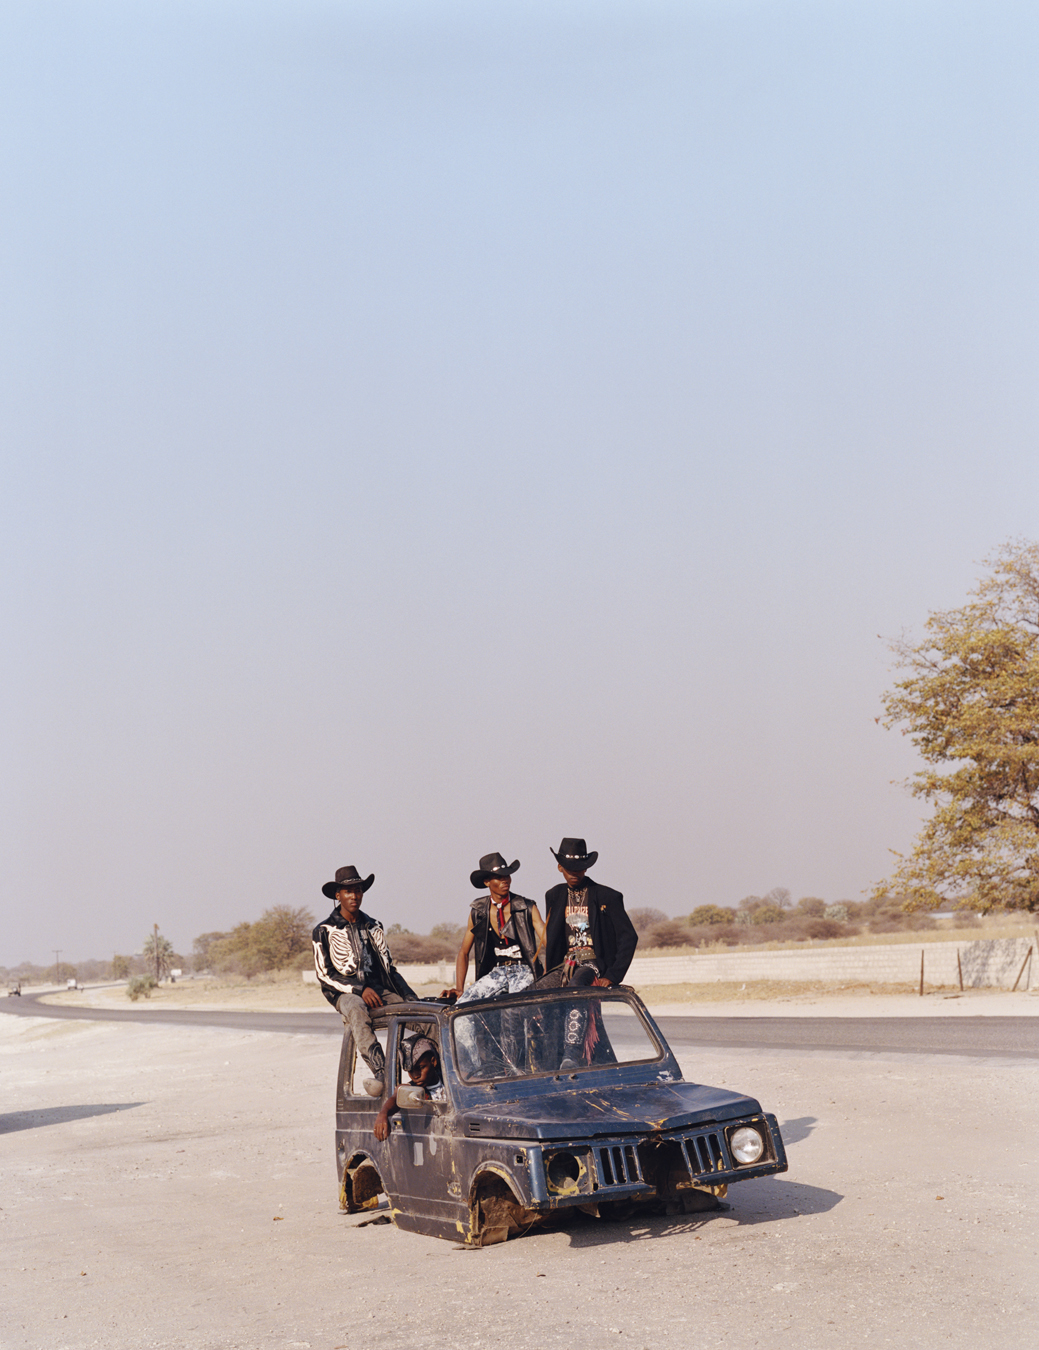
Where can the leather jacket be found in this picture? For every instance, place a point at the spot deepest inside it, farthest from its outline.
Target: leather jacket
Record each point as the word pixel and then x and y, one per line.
pixel 483 956
pixel 336 962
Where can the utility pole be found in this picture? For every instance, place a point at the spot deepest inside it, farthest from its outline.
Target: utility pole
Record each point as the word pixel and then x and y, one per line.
pixel 57 965
pixel 155 930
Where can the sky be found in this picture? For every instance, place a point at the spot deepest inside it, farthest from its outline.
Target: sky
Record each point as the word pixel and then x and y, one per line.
pixel 430 429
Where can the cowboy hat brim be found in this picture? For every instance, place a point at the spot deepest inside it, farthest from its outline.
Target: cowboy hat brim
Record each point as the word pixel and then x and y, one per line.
pixel 332 888
pixel 575 864
pixel 478 878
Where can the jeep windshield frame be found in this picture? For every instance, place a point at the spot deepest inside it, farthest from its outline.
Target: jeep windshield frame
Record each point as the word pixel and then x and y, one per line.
pixel 553 1034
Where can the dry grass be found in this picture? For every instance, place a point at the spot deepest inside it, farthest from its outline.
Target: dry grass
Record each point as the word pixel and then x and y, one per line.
pixel 279 991
pixel 777 991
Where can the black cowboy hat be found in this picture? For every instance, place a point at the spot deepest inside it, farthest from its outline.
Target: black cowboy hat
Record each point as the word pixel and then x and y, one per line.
pixel 574 856
pixel 491 865
pixel 347 879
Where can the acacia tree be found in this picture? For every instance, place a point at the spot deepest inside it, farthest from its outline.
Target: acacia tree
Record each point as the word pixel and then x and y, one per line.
pixel 970 702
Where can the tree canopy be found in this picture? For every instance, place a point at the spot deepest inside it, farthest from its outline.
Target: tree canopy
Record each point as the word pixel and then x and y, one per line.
pixel 970 702
pixel 276 940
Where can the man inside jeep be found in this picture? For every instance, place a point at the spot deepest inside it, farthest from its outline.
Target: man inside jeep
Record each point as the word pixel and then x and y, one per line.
pixel 422 1064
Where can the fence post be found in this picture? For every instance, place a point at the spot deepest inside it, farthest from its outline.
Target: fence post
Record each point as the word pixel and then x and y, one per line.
pixel 921 972
pixel 959 969
pixel 1028 957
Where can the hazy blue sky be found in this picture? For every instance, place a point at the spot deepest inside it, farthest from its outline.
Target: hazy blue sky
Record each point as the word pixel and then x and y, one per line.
pixel 437 428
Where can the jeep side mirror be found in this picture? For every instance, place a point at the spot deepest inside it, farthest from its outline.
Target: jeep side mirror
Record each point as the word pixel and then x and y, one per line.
pixel 410 1098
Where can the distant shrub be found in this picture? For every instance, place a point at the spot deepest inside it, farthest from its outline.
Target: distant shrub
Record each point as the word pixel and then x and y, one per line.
pixel 646 918
pixel 812 906
pixel 837 912
pixel 671 934
pixel 711 914
pixel 415 947
pixel 449 932
pixel 141 984
pixel 767 914
pixel 887 923
pixel 825 928
pixel 273 942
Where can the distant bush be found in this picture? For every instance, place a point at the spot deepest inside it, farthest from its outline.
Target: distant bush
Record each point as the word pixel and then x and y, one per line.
pixel 141 984
pixel 449 932
pixel 415 947
pixel 812 906
pixel 711 914
pixel 837 912
pixel 646 918
pixel 767 914
pixel 822 929
pixel 671 934
pixel 278 940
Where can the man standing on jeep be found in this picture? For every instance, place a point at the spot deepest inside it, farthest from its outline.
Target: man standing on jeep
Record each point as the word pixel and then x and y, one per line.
pixel 588 933
pixel 589 939
pixel 505 936
pixel 355 969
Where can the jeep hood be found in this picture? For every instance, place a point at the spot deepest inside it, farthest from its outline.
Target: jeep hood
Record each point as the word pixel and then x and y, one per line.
pixel 569 1112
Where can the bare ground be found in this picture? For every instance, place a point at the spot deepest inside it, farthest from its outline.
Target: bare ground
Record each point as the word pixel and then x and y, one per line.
pixel 175 1187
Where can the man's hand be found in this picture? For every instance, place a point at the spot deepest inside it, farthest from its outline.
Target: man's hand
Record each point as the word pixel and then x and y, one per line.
pixel 381 1128
pixel 371 998
pixel 601 982
pixel 452 994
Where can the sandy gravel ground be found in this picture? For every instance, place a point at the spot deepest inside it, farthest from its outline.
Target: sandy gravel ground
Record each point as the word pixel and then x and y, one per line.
pixel 175 1187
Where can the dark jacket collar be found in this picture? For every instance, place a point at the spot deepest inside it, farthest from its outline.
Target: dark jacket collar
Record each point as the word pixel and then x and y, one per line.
pixel 336 920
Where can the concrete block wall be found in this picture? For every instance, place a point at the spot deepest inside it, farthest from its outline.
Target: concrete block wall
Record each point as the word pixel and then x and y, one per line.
pixel 985 964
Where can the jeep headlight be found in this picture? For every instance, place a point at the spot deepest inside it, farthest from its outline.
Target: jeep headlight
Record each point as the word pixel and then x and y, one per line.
pixel 746 1145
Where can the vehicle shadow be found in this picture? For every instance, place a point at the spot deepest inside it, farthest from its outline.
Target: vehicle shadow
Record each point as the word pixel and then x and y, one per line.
pixel 794 1131
pixel 775 1198
pixel 772 1199
pixel 10 1121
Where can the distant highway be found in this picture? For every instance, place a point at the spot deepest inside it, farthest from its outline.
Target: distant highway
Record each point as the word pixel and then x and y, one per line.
pixel 982 1037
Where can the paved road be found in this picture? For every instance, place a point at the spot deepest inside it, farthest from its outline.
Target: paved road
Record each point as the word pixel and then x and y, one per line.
pixel 984 1037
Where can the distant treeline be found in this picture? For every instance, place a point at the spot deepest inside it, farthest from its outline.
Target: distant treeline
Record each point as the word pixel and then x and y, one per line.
pixel 280 938
pixel 776 918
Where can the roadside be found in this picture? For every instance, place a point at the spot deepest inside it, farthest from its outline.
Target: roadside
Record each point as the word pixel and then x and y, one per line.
pixel 751 998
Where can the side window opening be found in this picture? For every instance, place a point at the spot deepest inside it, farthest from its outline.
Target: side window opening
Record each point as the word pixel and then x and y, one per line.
pixel 406 1041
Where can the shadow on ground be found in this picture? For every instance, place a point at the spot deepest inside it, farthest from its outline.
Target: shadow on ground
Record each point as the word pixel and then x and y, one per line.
pixel 794 1131
pixel 770 1200
pixel 58 1115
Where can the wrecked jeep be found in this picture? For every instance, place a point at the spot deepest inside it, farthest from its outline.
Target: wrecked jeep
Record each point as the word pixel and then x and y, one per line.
pixel 527 1129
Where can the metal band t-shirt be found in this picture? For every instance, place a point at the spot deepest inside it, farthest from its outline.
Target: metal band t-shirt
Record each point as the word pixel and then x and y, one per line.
pixel 578 933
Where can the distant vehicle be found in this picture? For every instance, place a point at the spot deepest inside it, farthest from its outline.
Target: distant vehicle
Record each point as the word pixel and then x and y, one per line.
pixel 14 990
pixel 71 984
pixel 520 1137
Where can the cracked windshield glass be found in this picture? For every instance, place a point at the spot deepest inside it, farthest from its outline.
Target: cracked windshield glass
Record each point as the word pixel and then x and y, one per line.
pixel 517 1040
